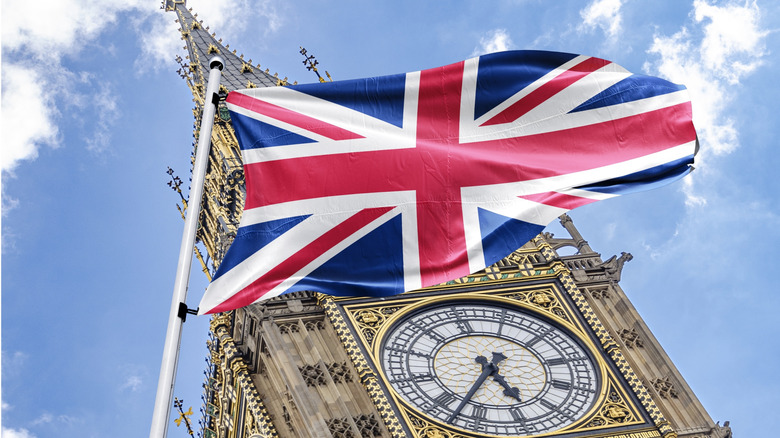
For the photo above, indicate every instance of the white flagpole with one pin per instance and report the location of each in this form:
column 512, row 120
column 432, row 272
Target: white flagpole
column 170, row 360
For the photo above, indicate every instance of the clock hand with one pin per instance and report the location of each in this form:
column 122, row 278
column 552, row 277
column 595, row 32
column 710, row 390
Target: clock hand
column 488, row 368
column 508, row 390
column 498, row 357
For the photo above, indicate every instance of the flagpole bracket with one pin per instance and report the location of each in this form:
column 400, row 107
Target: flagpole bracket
column 184, row 311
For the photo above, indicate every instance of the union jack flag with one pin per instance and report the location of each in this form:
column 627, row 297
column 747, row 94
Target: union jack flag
column 377, row 186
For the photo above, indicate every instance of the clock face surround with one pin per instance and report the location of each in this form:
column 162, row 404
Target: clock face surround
column 489, row 366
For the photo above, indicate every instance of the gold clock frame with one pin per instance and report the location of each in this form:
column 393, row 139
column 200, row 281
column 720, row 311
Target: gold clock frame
column 545, row 294
column 624, row 408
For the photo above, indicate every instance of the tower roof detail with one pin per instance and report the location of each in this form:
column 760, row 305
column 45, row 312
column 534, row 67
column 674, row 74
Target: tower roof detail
column 201, row 46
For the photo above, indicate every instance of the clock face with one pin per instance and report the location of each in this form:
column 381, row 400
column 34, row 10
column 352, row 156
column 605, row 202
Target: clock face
column 489, row 368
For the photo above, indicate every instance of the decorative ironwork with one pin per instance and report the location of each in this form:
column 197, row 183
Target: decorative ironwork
column 311, row 65
column 425, row 429
column 370, row 321
column 185, row 416
column 542, row 299
column 614, row 411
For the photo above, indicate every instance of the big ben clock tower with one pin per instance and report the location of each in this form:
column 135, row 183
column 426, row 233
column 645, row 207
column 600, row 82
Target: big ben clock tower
column 540, row 344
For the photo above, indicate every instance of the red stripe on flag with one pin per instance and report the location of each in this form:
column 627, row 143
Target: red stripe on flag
column 546, row 91
column 293, row 118
column 470, row 164
column 299, row 260
column 440, row 238
column 559, row 200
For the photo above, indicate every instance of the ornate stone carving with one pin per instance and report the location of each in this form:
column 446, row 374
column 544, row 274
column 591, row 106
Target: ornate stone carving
column 598, row 292
column 723, row 431
column 313, row 375
column 425, row 429
column 365, row 373
column 340, row 428
column 340, row 372
column 371, row 320
column 289, row 327
column 523, row 257
column 287, row 418
column 368, row 426
column 665, row 387
column 614, row 266
column 607, row 342
column 232, row 382
column 614, row 411
column 630, row 338
column 543, row 299
column 314, row 325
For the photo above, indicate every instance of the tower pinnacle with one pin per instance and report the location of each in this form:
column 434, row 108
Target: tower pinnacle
column 201, row 45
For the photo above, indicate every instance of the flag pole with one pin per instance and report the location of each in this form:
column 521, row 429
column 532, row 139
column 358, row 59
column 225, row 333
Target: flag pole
column 162, row 403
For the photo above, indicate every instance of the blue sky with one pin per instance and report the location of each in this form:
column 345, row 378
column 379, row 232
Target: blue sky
column 93, row 113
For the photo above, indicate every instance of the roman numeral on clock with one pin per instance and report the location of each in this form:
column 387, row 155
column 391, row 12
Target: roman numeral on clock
column 479, row 413
column 444, row 399
column 517, row 416
column 556, row 361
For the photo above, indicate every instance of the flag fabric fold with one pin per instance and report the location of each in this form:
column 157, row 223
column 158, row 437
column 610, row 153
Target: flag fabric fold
column 377, row 186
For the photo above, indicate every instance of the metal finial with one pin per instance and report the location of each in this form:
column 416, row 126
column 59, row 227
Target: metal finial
column 311, row 64
column 183, row 416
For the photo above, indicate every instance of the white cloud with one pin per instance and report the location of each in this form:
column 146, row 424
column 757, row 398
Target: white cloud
column 228, row 16
column 609, row 230
column 133, row 383
column 710, row 58
column 604, row 14
column 496, row 40
column 44, row 418
column 16, row 433
column 47, row 418
column 231, row 17
column 105, row 103
column 28, row 116
column 60, row 28
column 15, row 362
column 733, row 42
column 134, row 377
column 692, row 199
column 732, row 46
column 160, row 37
column 35, row 41
column 160, row 41
column 269, row 12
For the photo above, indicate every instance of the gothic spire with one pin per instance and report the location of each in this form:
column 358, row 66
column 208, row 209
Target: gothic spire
column 202, row 45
